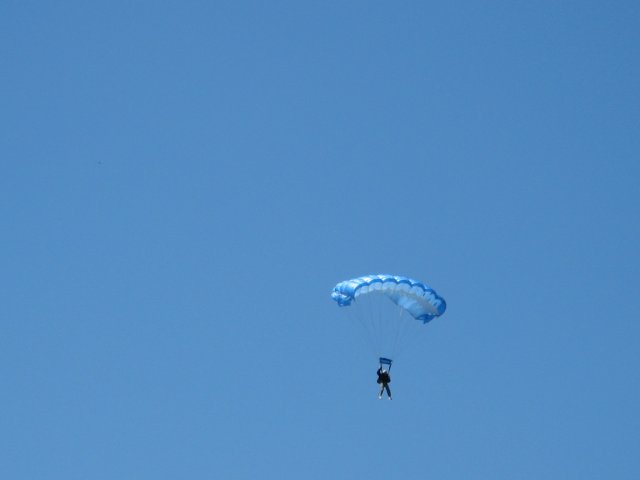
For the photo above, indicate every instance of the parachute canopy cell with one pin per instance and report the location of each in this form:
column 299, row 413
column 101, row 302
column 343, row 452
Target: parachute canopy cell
column 417, row 298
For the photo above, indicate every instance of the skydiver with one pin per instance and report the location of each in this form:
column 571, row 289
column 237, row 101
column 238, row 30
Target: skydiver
column 384, row 379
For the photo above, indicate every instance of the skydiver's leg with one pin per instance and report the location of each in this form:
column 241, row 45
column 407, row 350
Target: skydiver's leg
column 381, row 390
column 388, row 390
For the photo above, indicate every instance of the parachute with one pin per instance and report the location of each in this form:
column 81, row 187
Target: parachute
column 390, row 308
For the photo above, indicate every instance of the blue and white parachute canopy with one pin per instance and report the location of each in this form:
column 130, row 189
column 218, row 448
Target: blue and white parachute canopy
column 417, row 298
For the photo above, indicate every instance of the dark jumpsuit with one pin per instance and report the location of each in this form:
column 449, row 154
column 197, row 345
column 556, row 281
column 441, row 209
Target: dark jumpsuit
column 383, row 380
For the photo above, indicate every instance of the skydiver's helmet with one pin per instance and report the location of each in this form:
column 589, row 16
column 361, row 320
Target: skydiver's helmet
column 383, row 371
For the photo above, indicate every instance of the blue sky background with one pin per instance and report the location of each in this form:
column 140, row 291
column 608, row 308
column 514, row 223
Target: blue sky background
column 183, row 183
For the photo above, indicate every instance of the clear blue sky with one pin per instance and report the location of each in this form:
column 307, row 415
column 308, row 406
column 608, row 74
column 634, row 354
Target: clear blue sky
column 183, row 182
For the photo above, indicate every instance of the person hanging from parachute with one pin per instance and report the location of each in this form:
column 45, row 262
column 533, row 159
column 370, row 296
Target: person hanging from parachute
column 384, row 378
column 411, row 300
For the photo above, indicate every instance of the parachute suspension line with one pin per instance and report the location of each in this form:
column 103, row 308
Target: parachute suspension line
column 372, row 301
column 410, row 328
column 377, row 323
column 378, row 320
column 372, row 319
column 383, row 322
column 394, row 348
column 383, row 317
column 407, row 325
column 360, row 314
